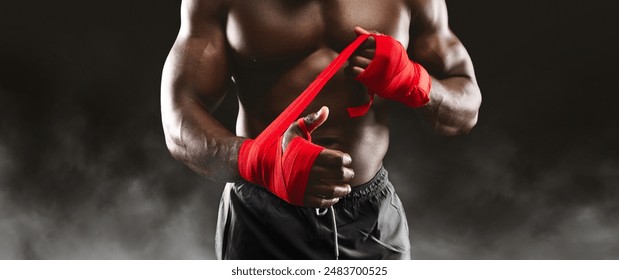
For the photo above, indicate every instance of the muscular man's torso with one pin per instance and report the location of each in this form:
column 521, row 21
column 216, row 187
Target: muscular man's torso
column 278, row 47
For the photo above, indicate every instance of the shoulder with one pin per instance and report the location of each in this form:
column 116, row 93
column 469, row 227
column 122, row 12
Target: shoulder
column 428, row 15
column 424, row 5
column 204, row 9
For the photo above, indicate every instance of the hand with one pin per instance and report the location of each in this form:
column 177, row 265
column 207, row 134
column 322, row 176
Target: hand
column 331, row 172
column 394, row 76
column 363, row 55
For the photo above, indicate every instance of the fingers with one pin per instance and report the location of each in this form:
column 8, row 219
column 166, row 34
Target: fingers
column 354, row 72
column 322, row 196
column 333, row 167
column 363, row 55
column 317, row 202
column 369, row 43
column 330, row 175
column 360, row 31
column 334, row 175
column 331, row 158
column 358, row 64
column 329, row 191
column 360, row 61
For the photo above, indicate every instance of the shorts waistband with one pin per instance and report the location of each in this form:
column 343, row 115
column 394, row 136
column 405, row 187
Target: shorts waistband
column 371, row 186
column 376, row 188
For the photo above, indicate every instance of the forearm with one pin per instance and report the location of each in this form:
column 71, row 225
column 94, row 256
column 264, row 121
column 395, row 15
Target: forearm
column 455, row 96
column 194, row 81
column 454, row 105
column 197, row 139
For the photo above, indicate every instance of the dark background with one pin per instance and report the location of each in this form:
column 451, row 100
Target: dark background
column 84, row 172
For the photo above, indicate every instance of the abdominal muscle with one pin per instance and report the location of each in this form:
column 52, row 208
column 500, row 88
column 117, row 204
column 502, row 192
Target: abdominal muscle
column 265, row 90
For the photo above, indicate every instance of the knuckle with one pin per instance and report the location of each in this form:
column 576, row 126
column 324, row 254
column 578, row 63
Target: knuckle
column 369, row 53
column 348, row 188
column 343, row 159
column 345, row 175
column 328, row 202
column 338, row 158
column 323, row 203
column 341, row 173
column 346, row 159
column 334, row 192
column 351, row 174
column 332, row 156
column 360, row 61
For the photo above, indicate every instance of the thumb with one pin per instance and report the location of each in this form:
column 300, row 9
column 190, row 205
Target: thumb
column 314, row 120
column 304, row 126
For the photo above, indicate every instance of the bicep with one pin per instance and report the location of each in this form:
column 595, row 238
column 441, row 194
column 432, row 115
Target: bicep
column 434, row 45
column 196, row 69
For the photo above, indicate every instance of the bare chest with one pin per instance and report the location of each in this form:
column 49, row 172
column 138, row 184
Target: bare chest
column 272, row 30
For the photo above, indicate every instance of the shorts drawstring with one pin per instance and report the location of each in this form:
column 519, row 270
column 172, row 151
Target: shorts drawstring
column 322, row 212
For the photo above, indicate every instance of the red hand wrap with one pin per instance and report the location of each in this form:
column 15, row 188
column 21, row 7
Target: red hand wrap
column 392, row 75
column 285, row 173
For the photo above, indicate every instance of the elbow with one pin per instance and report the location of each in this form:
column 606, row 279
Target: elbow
column 454, row 129
column 174, row 144
column 468, row 124
column 469, row 121
column 472, row 113
column 172, row 122
column 172, row 132
column 175, row 150
column 461, row 122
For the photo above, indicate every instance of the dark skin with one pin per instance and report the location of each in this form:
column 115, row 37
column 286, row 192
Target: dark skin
column 274, row 49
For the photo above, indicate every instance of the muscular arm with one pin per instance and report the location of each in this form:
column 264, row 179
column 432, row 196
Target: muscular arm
column 195, row 78
column 455, row 97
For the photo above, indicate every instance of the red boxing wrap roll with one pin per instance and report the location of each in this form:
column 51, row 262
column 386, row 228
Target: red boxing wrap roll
column 285, row 173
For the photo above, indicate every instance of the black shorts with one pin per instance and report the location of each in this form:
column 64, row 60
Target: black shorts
column 255, row 224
